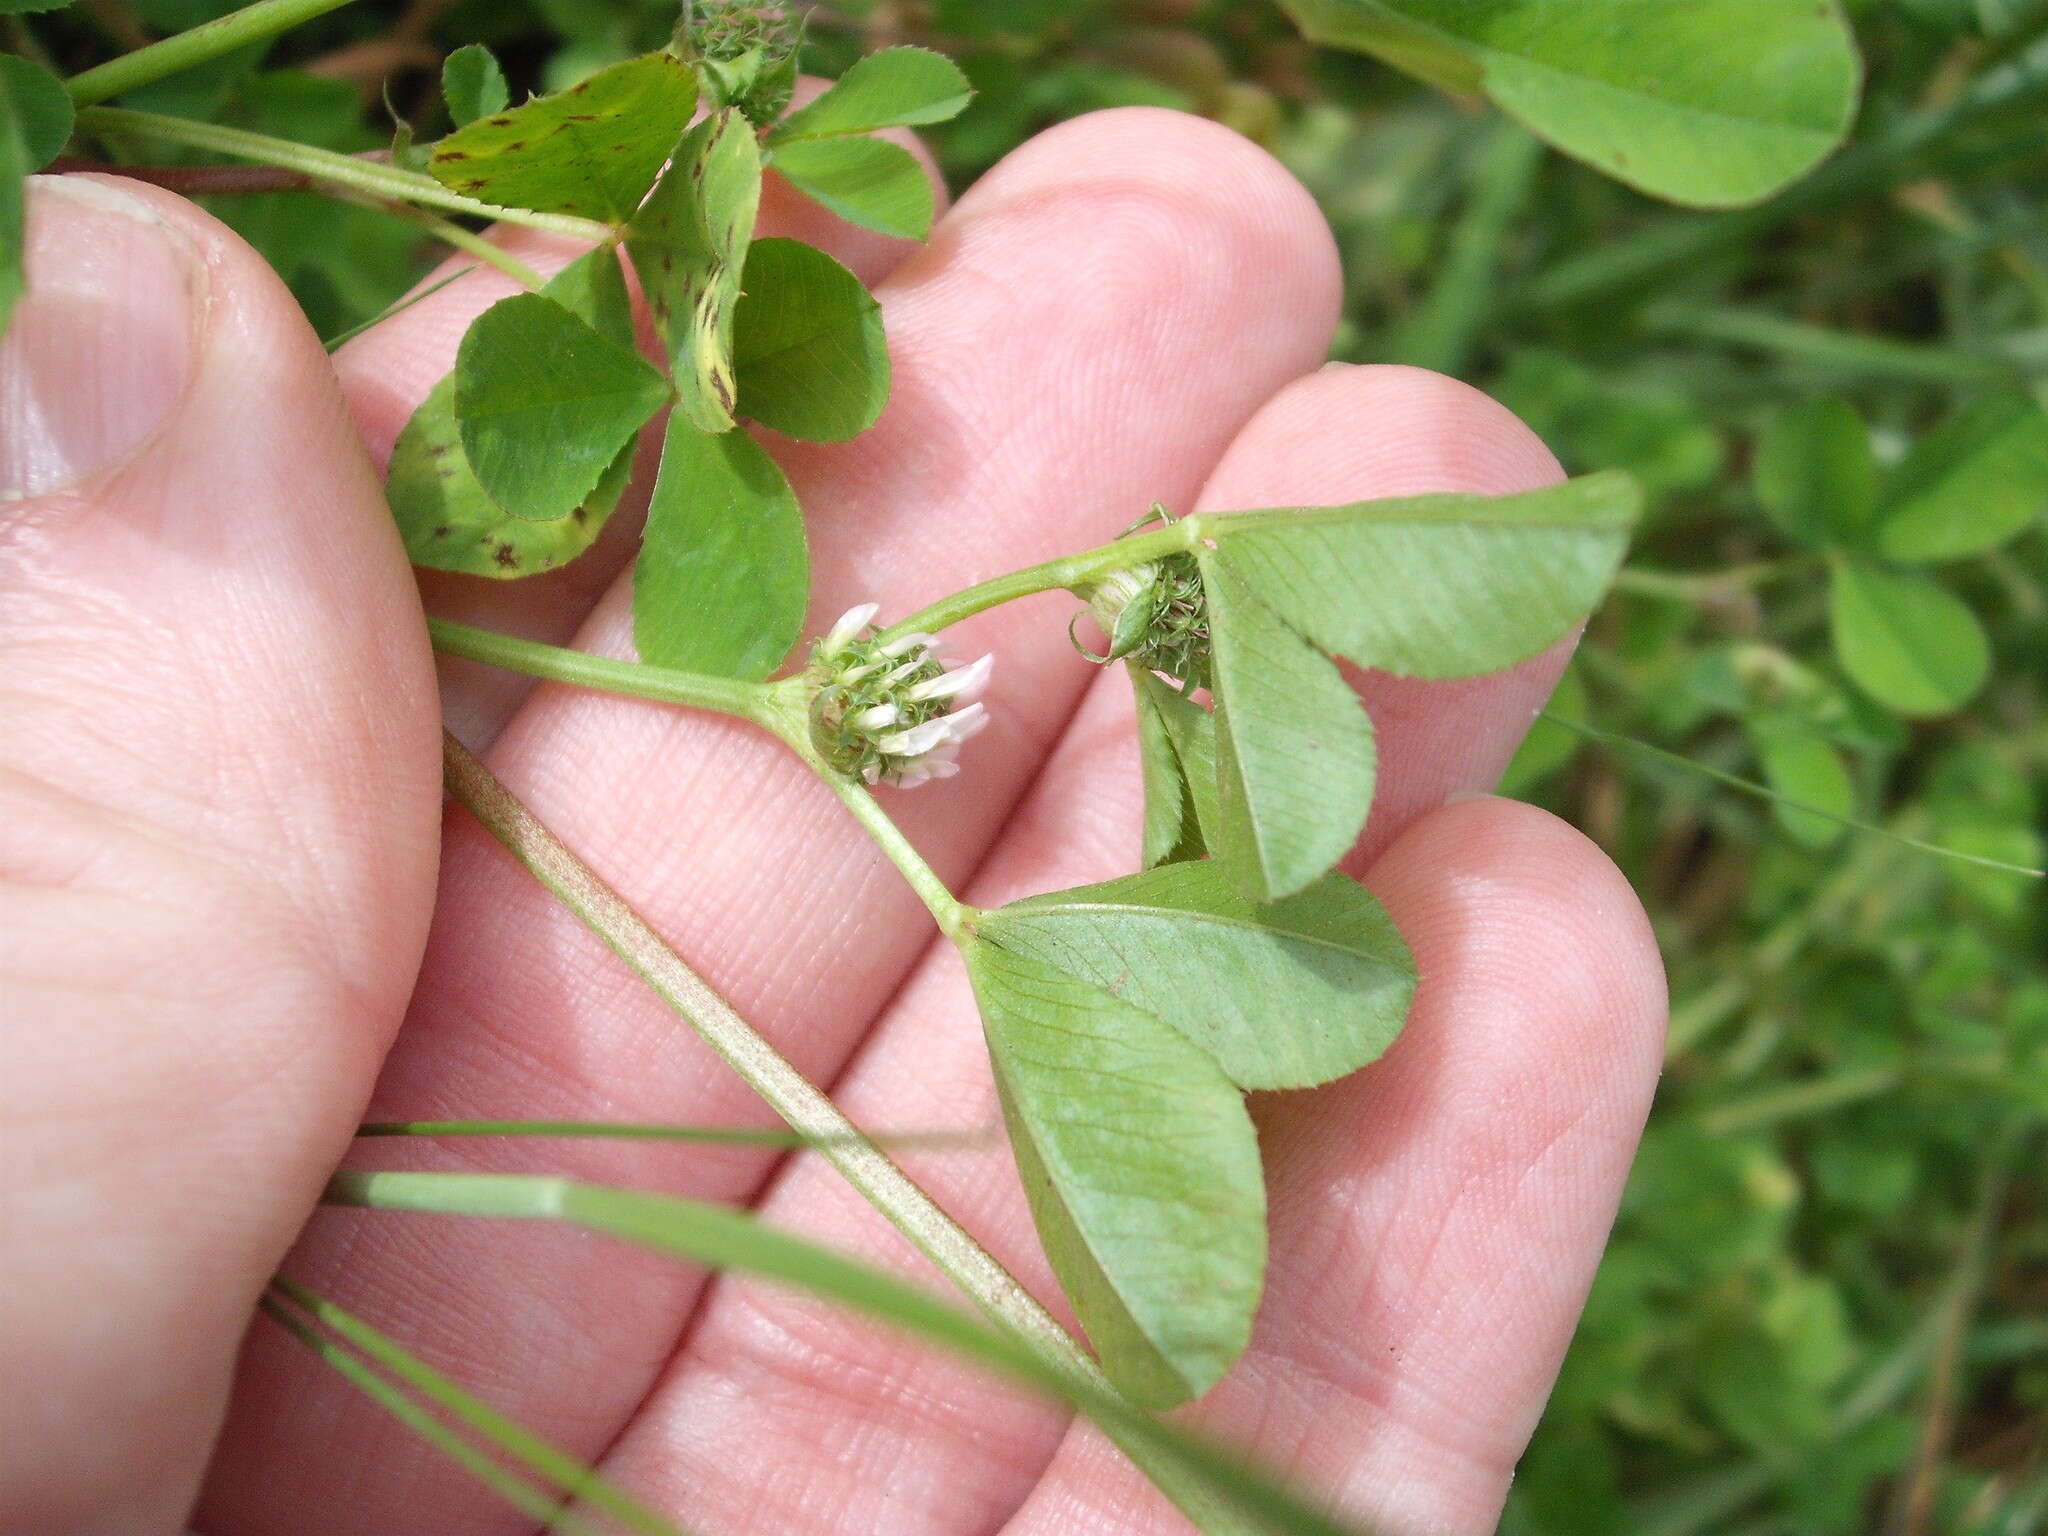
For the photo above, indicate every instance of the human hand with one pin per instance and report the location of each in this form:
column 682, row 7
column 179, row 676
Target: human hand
column 220, row 796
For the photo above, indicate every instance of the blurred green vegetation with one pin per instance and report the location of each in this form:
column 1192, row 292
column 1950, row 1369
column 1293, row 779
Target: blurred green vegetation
column 1825, row 1309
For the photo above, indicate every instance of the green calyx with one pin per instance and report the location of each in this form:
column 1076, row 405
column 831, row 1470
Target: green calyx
column 1154, row 614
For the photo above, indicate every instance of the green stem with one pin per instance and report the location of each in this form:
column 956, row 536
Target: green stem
column 555, row 664
column 787, row 1091
column 373, row 178
column 947, row 911
column 209, row 40
column 1069, row 573
column 1705, row 586
column 766, row 705
column 449, row 233
column 811, row 1114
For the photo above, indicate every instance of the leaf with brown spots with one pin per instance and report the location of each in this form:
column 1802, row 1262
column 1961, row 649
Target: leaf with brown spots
column 451, row 523
column 591, row 150
column 689, row 245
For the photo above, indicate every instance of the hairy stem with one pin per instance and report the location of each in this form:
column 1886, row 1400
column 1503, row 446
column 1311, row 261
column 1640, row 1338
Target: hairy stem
column 787, row 1091
column 209, row 40
column 947, row 911
column 372, row 178
column 1068, row 573
column 773, row 706
column 811, row 1114
column 556, row 664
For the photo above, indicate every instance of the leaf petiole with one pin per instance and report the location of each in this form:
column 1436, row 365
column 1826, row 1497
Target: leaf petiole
column 373, row 178
column 756, row 702
column 195, row 46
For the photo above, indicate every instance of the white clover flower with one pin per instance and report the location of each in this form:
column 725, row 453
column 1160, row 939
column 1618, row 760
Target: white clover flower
column 892, row 713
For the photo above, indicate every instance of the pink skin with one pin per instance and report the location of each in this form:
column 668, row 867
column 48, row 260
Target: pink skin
column 1130, row 307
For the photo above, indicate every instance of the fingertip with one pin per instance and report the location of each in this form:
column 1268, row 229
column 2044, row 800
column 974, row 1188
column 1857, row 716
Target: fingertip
column 1503, row 894
column 1197, row 181
column 1357, row 432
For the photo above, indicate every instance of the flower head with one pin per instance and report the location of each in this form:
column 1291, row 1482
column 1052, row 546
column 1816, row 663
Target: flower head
column 891, row 712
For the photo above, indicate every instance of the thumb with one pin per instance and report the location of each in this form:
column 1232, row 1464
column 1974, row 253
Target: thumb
column 219, row 794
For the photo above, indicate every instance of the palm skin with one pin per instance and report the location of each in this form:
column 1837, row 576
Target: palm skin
column 218, row 813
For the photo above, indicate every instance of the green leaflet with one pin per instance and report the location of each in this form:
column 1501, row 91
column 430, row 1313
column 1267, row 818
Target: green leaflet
column 894, row 87
column 1970, row 484
column 41, row 106
column 35, row 120
column 451, row 523
column 723, row 575
column 1907, row 642
column 1142, row 1170
column 546, row 403
column 1166, row 790
column 689, row 245
column 1800, row 764
column 1177, row 754
column 1284, row 995
column 14, row 168
column 808, row 351
column 1437, row 586
column 593, row 288
column 1714, row 103
column 473, row 84
column 1425, row 586
column 1815, row 475
column 869, row 182
column 1294, row 748
column 592, row 150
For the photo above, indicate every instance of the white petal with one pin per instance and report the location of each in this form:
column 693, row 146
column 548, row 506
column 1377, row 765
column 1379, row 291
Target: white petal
column 940, row 767
column 910, row 775
column 965, row 684
column 964, row 723
column 881, row 717
column 850, row 624
column 919, row 739
column 900, row 674
column 872, row 773
column 905, row 646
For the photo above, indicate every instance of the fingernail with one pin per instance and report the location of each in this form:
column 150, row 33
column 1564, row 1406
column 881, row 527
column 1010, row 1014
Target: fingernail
column 102, row 347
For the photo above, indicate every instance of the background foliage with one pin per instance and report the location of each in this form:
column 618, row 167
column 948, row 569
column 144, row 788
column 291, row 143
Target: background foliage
column 1826, row 1305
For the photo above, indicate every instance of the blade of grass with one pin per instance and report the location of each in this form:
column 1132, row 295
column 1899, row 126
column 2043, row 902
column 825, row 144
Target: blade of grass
column 730, row 1136
column 515, row 1490
column 727, row 1239
column 577, row 1481
column 1765, row 792
column 334, row 343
